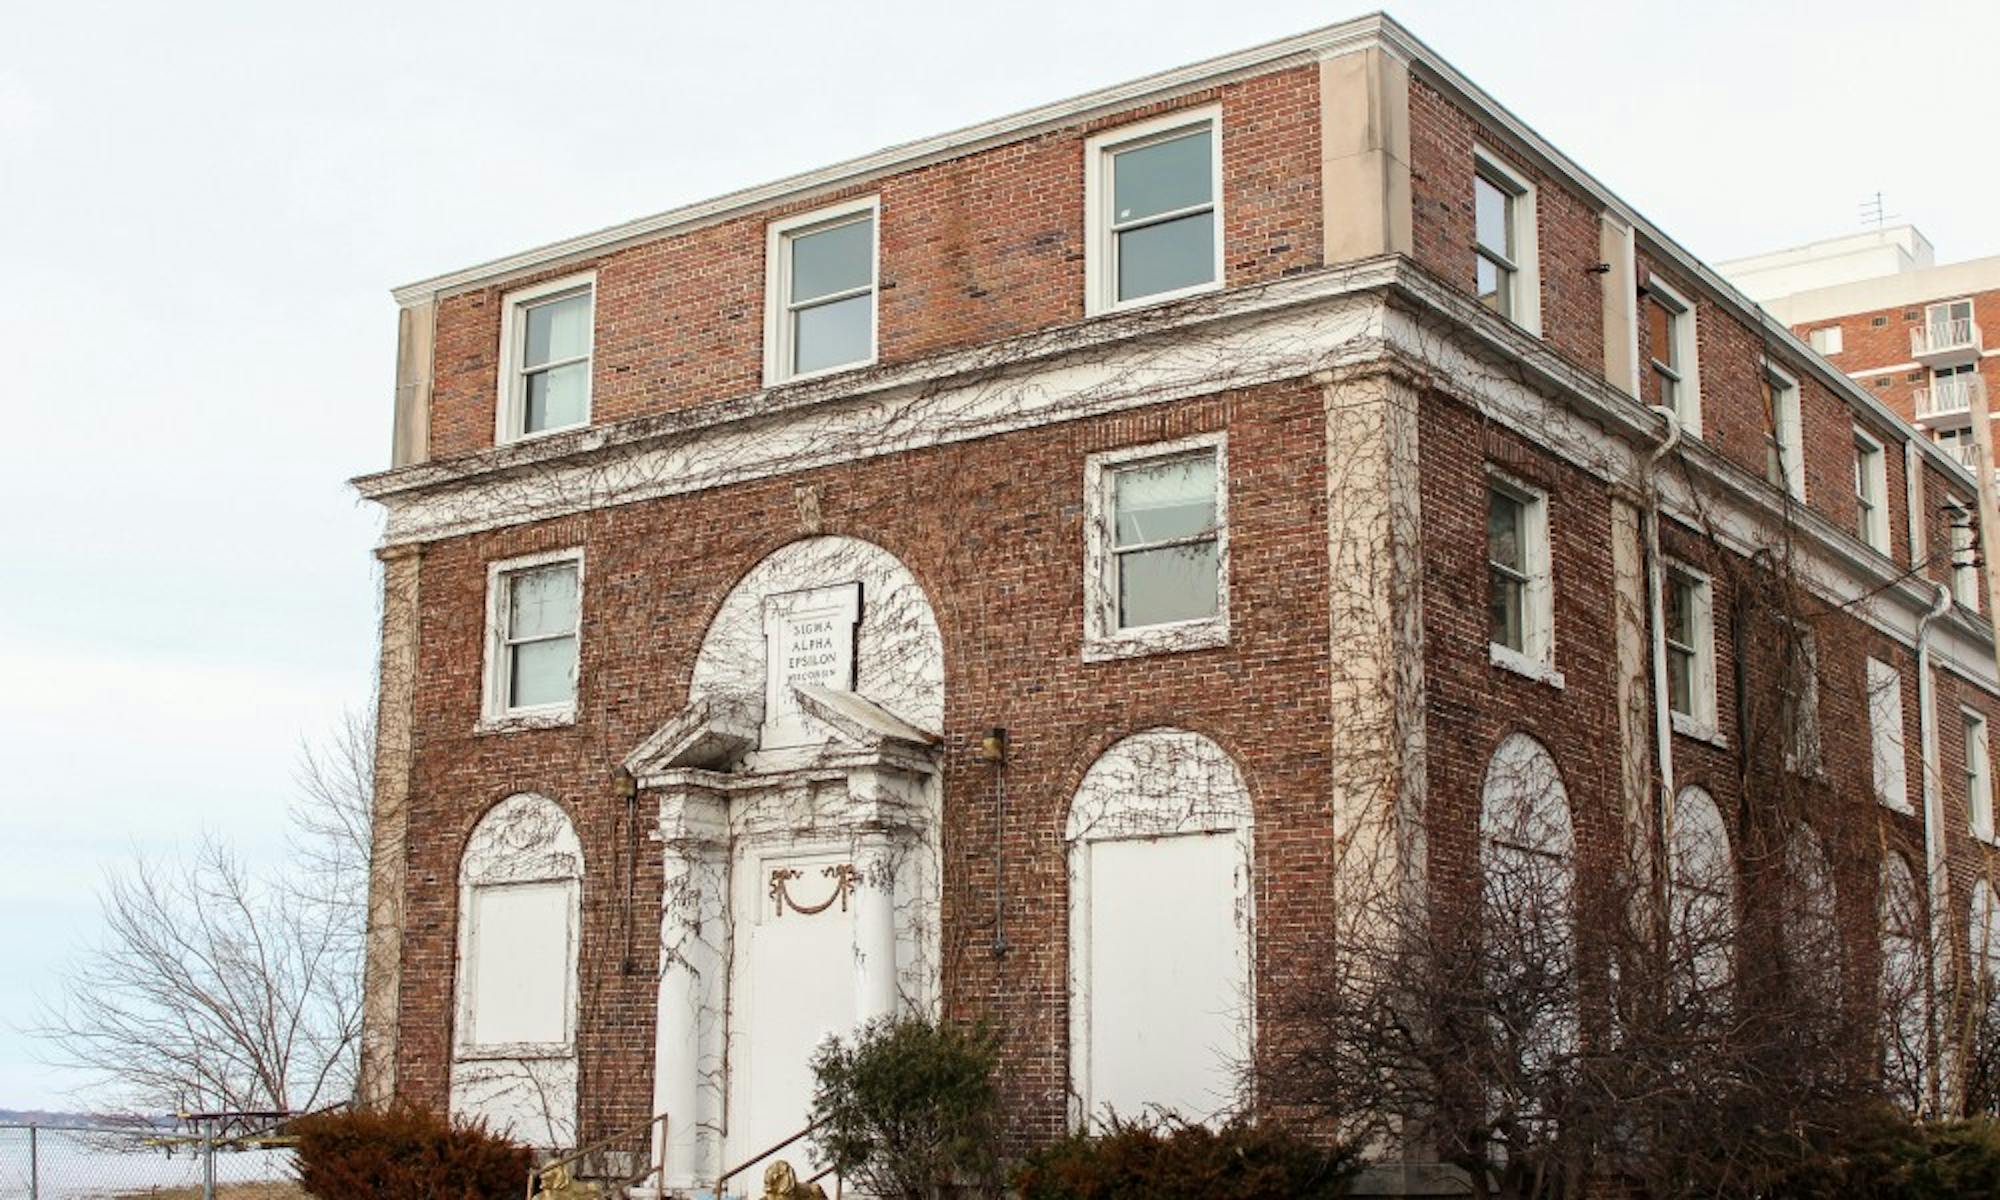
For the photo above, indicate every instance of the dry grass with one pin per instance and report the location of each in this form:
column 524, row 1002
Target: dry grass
column 223, row 1191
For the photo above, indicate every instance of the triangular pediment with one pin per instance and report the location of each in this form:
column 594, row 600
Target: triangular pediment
column 857, row 719
column 712, row 733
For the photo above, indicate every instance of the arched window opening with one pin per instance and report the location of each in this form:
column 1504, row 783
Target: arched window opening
column 1160, row 929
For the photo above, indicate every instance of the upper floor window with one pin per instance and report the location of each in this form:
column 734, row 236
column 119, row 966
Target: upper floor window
column 534, row 609
column 1826, row 339
column 1871, row 492
column 1690, row 640
column 820, row 315
column 1964, row 556
column 545, row 342
column 1503, row 249
column 1950, row 322
column 1158, row 568
column 1674, row 382
column 1784, row 445
column 1153, row 207
column 1885, row 728
column 1959, row 444
column 1519, row 609
column 1978, row 774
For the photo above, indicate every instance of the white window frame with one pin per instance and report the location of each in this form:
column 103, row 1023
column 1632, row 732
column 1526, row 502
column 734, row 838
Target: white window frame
column 1827, row 340
column 1978, row 772
column 510, row 409
column 1887, row 735
column 495, row 713
column 778, row 341
column 1701, row 723
column 1932, row 319
column 554, row 862
column 1102, row 638
column 1525, row 294
column 1871, row 473
column 1537, row 659
column 1687, row 374
column 1100, row 261
column 1787, row 414
column 1963, row 537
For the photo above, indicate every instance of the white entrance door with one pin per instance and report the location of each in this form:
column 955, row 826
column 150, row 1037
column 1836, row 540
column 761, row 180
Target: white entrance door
column 793, row 986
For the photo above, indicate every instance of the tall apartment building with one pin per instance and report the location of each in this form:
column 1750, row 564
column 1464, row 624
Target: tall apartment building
column 1878, row 306
column 1009, row 574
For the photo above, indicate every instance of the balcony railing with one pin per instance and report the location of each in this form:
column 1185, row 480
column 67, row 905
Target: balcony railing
column 1944, row 343
column 1948, row 402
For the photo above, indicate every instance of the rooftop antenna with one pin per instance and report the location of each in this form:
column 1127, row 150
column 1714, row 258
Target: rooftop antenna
column 1874, row 213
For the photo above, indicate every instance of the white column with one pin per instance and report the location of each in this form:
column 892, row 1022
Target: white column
column 875, row 926
column 691, row 928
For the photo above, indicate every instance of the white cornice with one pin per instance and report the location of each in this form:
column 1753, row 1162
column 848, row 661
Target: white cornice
column 1374, row 29
column 984, row 367
column 1383, row 309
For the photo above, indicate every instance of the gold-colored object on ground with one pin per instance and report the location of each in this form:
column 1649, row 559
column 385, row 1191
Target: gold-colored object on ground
column 559, row 1184
column 782, row 1183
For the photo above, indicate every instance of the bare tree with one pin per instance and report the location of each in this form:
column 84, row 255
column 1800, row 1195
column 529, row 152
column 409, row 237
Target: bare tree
column 216, row 988
column 1687, row 1019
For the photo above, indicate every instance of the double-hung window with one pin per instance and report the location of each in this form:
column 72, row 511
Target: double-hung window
column 1885, row 730
column 1153, row 207
column 1871, row 492
column 822, row 286
column 1157, row 548
column 1519, row 611
column 1503, row 242
column 545, row 349
column 534, row 610
column 1673, row 382
column 1964, row 556
column 1687, row 612
column 1784, row 445
column 1826, row 339
column 1978, row 775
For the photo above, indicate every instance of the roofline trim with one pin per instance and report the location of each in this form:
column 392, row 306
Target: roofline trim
column 1297, row 50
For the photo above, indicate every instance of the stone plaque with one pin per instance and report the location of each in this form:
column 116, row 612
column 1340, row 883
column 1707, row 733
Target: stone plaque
column 808, row 639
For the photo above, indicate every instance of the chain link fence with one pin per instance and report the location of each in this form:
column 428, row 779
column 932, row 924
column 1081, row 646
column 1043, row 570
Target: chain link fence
column 67, row 1162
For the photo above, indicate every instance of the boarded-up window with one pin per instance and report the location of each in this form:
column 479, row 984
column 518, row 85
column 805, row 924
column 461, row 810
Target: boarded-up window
column 1702, row 906
column 517, row 952
column 1160, row 928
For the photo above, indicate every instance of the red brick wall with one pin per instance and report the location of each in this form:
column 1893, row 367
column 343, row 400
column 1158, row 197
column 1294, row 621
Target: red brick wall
column 976, row 248
column 1878, row 342
column 1474, row 704
column 1442, row 137
column 993, row 530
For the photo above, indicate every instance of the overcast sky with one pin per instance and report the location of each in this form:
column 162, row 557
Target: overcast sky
column 203, row 206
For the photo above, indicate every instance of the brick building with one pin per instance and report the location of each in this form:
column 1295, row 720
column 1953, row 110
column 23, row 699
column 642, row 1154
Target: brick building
column 1878, row 306
column 1265, row 446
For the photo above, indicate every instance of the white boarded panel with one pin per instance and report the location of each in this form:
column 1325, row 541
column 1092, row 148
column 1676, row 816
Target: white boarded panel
column 1167, row 987
column 795, row 989
column 521, row 964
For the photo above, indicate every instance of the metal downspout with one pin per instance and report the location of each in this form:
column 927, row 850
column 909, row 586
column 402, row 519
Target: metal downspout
column 1934, row 849
column 1663, row 720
